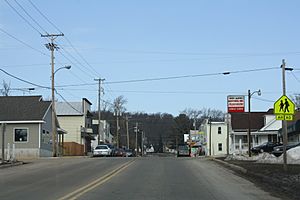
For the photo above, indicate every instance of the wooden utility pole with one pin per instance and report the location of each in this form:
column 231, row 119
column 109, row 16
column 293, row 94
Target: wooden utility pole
column 127, row 133
column 100, row 135
column 136, row 138
column 52, row 47
column 3, row 141
column 284, row 123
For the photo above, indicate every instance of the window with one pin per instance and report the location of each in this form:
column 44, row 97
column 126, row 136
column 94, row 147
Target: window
column 220, row 146
column 219, row 130
column 21, row 135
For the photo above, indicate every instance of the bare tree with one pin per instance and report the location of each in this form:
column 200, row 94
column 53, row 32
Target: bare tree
column 5, row 89
column 296, row 99
column 118, row 104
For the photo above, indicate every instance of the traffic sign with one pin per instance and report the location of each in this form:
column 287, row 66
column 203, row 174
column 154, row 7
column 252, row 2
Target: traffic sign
column 284, row 106
column 285, row 117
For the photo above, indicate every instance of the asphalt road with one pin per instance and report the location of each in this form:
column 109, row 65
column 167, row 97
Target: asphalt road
column 125, row 178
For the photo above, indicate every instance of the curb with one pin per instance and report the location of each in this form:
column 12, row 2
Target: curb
column 243, row 170
column 3, row 166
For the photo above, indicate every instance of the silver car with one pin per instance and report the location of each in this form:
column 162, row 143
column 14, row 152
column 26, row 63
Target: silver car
column 102, row 150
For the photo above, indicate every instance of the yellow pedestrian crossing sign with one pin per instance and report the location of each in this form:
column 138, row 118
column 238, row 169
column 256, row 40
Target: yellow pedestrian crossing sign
column 284, row 106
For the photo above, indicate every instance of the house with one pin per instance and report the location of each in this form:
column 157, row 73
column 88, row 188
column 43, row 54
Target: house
column 215, row 134
column 293, row 129
column 105, row 131
column 76, row 119
column 264, row 128
column 28, row 127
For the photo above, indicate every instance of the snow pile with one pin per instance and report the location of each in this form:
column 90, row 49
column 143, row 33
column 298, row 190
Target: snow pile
column 293, row 157
column 246, row 157
column 294, row 153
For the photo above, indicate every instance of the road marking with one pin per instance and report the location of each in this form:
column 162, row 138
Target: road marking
column 80, row 191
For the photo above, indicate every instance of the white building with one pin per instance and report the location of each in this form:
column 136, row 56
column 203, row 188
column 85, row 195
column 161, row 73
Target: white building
column 105, row 131
column 263, row 125
column 216, row 137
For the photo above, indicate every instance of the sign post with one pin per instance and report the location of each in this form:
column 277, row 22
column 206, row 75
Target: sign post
column 284, row 109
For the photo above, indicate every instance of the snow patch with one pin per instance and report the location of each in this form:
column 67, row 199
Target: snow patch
column 293, row 157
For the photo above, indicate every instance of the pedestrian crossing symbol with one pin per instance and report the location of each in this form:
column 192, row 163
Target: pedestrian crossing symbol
column 284, row 106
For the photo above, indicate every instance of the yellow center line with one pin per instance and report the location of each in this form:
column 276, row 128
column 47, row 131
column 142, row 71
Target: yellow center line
column 84, row 189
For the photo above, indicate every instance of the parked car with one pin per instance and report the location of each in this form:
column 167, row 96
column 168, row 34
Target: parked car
column 103, row 150
column 264, row 147
column 183, row 150
column 119, row 152
column 277, row 151
column 129, row 152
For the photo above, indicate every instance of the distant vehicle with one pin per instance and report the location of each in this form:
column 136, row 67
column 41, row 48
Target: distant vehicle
column 129, row 152
column 103, row 150
column 265, row 147
column 183, row 150
column 120, row 152
column 277, row 151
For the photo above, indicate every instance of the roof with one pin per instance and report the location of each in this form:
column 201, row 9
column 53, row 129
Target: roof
column 69, row 108
column 240, row 121
column 23, row 108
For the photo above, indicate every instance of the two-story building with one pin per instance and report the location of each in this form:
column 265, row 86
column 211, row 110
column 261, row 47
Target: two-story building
column 76, row 119
column 216, row 137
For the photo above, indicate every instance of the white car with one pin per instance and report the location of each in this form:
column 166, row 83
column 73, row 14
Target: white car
column 102, row 150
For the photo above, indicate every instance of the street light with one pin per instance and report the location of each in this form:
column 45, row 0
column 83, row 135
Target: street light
column 54, row 132
column 64, row 67
column 249, row 119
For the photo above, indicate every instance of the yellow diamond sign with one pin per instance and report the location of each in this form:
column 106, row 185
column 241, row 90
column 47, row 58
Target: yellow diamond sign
column 284, row 106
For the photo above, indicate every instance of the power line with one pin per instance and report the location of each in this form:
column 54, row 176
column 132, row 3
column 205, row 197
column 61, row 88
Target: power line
column 25, row 81
column 30, row 16
column 24, row 43
column 73, row 47
column 67, row 102
column 97, row 74
column 45, row 17
column 74, row 64
column 11, row 6
column 178, row 77
column 193, row 76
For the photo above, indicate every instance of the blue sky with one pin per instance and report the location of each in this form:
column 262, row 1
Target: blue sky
column 134, row 39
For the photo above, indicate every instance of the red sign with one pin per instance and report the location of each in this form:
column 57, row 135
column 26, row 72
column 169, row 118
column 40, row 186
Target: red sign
column 236, row 103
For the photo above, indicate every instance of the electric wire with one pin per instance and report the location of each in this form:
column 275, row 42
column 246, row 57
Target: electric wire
column 66, row 38
column 24, row 43
column 16, row 11
column 178, row 77
column 25, row 81
column 45, row 17
column 74, row 64
column 30, row 16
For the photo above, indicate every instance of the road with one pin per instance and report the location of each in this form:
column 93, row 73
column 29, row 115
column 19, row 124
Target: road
column 125, row 178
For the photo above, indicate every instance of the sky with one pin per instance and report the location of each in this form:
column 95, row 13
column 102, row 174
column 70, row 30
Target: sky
column 179, row 48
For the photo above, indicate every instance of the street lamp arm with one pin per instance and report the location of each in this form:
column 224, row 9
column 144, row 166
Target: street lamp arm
column 64, row 67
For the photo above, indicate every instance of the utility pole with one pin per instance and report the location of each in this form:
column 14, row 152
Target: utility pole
column 136, row 138
column 117, row 114
column 209, row 121
column 52, row 47
column 143, row 141
column 227, row 140
column 127, row 132
column 284, row 123
column 249, row 124
column 3, row 141
column 100, row 135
